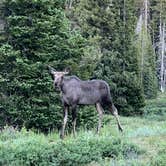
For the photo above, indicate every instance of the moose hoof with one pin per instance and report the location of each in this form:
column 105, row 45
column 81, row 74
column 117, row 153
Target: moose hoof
column 61, row 136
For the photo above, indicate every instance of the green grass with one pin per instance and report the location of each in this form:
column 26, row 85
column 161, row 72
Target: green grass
column 141, row 143
column 149, row 135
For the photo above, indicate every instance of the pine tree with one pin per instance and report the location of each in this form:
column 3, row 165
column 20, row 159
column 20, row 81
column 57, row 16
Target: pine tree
column 113, row 23
column 38, row 35
column 157, row 21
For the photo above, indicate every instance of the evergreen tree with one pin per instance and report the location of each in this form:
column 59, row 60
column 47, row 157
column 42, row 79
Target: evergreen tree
column 158, row 21
column 147, row 56
column 114, row 24
column 38, row 35
column 147, row 63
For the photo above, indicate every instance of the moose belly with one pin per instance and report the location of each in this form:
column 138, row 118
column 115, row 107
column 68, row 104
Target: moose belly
column 88, row 100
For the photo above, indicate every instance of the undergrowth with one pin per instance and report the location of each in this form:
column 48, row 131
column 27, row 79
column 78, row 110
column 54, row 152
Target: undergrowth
column 28, row 148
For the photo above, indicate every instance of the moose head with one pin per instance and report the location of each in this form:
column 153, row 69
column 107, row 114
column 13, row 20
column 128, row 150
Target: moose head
column 57, row 76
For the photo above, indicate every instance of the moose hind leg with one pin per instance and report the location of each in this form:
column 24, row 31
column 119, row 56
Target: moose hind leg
column 100, row 112
column 74, row 118
column 65, row 115
column 114, row 111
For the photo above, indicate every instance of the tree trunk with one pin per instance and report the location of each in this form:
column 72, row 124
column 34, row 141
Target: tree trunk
column 146, row 14
column 165, row 80
column 68, row 4
column 162, row 58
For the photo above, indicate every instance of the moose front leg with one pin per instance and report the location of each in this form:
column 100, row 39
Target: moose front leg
column 65, row 115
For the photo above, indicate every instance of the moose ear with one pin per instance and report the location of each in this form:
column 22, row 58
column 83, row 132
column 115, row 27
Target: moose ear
column 51, row 70
column 67, row 70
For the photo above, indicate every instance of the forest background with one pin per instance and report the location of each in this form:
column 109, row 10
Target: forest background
column 119, row 41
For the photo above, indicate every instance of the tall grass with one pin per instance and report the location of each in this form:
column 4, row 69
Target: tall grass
column 29, row 148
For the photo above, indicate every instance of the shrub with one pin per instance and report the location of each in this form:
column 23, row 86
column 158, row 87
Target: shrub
column 156, row 108
column 28, row 148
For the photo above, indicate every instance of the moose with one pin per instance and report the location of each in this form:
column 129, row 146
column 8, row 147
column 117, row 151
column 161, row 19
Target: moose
column 78, row 92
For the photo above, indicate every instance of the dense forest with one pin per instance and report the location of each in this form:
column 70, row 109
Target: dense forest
column 119, row 41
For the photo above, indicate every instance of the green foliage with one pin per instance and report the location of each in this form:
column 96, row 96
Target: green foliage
column 125, row 88
column 87, row 117
column 118, row 64
column 156, row 108
column 38, row 35
column 147, row 63
column 150, row 83
column 158, row 18
column 27, row 148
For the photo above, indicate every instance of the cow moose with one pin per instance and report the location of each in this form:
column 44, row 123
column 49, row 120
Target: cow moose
column 78, row 92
